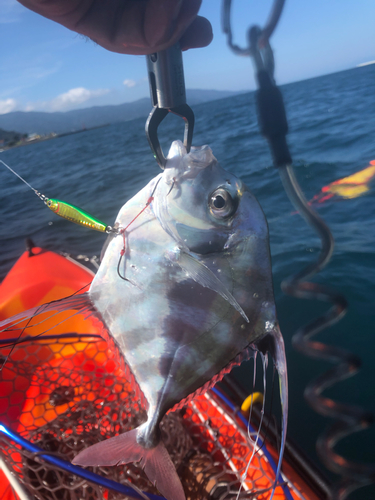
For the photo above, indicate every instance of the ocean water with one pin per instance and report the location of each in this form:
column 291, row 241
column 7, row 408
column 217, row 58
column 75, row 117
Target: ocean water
column 332, row 134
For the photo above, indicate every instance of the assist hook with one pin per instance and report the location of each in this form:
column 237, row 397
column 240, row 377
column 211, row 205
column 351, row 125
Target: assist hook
column 168, row 95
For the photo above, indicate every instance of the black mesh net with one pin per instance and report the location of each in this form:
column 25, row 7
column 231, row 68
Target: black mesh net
column 67, row 394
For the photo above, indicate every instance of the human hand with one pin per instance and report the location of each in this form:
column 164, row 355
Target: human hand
column 130, row 26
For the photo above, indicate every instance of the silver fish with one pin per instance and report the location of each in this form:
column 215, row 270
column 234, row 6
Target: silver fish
column 185, row 293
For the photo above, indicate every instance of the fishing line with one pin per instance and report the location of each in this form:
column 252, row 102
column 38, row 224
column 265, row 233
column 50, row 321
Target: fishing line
column 36, row 336
column 252, row 399
column 264, row 358
column 22, row 179
column 20, row 335
column 122, row 231
column 270, row 413
column 82, row 218
column 38, row 311
column 67, row 210
column 31, row 338
column 13, row 346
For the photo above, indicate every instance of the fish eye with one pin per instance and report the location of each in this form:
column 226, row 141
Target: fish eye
column 221, row 203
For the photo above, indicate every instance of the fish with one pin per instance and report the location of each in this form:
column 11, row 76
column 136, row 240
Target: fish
column 184, row 291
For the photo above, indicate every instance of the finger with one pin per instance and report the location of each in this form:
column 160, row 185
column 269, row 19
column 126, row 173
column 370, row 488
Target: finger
column 130, row 27
column 66, row 12
column 188, row 28
column 160, row 19
column 199, row 34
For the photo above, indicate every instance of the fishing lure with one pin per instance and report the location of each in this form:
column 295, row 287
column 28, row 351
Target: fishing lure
column 78, row 216
column 69, row 211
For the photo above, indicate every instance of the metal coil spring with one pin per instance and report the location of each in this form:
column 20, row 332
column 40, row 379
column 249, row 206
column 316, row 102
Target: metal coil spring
column 348, row 419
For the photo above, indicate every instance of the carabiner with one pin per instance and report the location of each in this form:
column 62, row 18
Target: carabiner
column 265, row 33
column 261, row 54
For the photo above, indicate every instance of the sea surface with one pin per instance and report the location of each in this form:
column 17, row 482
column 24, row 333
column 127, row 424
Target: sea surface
column 332, row 135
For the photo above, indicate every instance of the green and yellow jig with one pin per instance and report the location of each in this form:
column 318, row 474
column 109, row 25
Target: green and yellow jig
column 68, row 211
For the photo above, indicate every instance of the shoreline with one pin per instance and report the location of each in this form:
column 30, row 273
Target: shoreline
column 50, row 136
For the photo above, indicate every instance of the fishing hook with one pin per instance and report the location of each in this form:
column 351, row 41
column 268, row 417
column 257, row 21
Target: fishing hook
column 122, row 231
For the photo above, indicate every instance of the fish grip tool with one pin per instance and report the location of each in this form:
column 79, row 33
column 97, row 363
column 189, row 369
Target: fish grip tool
column 274, row 127
column 168, row 95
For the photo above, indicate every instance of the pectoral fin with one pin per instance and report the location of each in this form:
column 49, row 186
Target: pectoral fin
column 205, row 277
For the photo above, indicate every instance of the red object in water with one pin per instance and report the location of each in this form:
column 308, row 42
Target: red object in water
column 349, row 187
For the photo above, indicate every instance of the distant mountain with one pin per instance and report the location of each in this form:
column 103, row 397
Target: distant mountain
column 59, row 122
column 9, row 138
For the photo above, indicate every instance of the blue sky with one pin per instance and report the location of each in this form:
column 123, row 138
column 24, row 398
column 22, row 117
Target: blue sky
column 46, row 67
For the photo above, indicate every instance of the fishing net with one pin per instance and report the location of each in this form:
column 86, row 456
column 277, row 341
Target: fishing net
column 67, row 394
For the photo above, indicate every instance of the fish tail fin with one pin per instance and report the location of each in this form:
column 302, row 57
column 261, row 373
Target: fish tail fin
column 124, row 449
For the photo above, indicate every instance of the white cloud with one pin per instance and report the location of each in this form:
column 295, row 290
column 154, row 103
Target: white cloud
column 7, row 105
column 66, row 101
column 129, row 83
column 72, row 97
